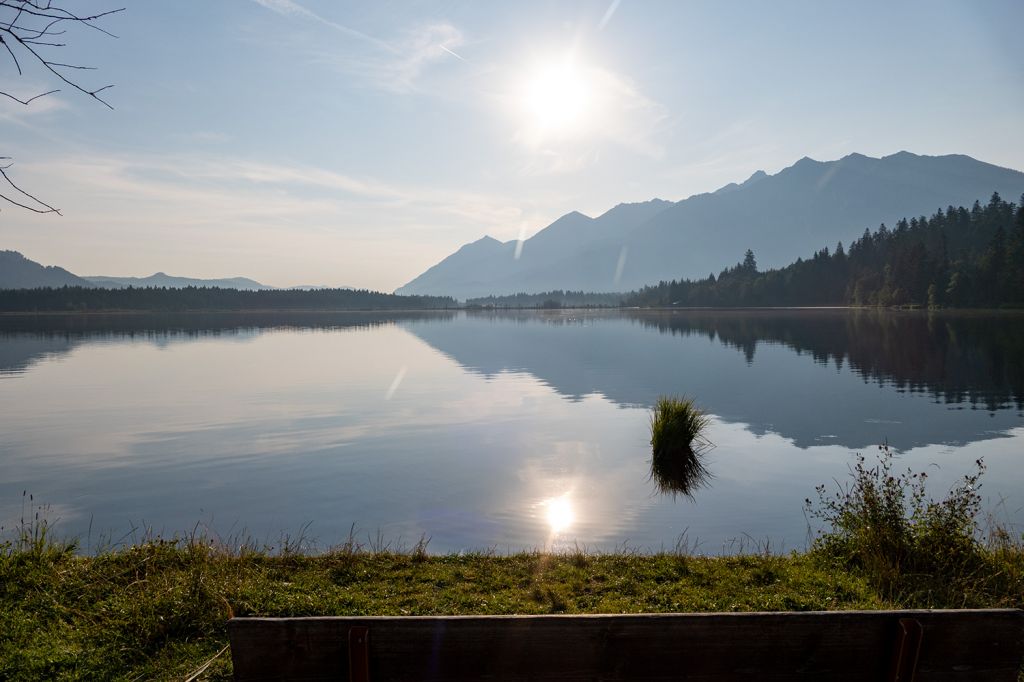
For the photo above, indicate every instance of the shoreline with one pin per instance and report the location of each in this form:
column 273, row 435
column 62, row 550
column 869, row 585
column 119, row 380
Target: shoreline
column 407, row 311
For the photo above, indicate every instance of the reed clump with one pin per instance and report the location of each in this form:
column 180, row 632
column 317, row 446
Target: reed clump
column 678, row 445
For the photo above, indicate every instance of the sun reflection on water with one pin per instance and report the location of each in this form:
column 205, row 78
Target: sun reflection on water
column 559, row 513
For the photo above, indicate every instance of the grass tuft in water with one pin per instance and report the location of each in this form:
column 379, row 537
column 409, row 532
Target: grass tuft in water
column 678, row 445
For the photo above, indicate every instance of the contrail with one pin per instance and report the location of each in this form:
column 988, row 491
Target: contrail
column 290, row 7
column 452, row 53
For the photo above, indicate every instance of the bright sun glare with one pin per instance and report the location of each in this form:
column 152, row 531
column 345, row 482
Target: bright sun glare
column 560, row 514
column 557, row 96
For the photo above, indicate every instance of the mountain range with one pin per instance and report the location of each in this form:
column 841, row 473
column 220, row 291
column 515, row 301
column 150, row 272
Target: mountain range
column 161, row 279
column 800, row 209
column 18, row 272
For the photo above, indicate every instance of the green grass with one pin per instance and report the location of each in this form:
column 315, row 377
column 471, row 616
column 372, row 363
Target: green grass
column 677, row 446
column 158, row 610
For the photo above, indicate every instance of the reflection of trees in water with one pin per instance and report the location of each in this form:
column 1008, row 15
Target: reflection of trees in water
column 204, row 323
column 558, row 317
column 977, row 358
column 26, row 339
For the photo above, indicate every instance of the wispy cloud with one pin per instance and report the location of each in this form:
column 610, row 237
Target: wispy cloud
column 395, row 66
column 420, row 48
column 402, row 69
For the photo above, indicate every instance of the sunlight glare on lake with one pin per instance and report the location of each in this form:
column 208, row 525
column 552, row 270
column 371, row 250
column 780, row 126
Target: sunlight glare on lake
column 559, row 513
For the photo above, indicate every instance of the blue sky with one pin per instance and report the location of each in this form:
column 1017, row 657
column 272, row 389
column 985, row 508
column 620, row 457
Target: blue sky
column 337, row 143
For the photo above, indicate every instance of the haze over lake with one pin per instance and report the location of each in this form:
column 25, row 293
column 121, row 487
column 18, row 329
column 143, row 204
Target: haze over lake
column 514, row 430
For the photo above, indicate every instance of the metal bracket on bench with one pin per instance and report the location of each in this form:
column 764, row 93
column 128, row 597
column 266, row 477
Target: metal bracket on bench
column 359, row 653
column 908, row 649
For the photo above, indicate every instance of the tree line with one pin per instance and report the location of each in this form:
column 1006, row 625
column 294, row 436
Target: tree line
column 957, row 258
column 549, row 299
column 162, row 299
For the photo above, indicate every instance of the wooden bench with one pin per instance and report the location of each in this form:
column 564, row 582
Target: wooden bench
column 837, row 645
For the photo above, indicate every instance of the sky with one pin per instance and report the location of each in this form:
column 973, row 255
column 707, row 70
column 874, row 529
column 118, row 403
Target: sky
column 316, row 142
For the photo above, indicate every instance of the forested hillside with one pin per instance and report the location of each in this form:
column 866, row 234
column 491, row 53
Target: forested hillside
column 959, row 257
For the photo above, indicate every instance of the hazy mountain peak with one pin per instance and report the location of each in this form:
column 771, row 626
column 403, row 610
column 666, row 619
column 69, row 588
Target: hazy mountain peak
column 855, row 156
column 572, row 216
column 650, row 203
column 486, row 242
column 754, row 177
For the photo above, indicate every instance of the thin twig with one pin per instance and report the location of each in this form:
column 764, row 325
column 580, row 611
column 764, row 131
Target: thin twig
column 48, row 209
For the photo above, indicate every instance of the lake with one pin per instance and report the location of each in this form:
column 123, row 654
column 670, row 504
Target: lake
column 491, row 430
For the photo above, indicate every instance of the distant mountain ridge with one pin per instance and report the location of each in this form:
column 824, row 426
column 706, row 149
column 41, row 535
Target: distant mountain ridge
column 161, row 279
column 18, row 272
column 792, row 213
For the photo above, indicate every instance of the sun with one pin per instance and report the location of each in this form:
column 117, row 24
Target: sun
column 557, row 97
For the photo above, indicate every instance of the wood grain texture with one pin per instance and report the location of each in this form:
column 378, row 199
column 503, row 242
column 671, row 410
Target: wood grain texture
column 843, row 645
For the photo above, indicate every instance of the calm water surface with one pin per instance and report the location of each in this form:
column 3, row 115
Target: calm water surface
column 506, row 431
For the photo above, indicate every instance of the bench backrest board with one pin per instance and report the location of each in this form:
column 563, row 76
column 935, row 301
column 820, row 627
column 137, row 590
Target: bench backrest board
column 836, row 645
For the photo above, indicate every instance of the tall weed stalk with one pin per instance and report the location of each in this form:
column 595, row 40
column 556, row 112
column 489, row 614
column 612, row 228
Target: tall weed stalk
column 915, row 549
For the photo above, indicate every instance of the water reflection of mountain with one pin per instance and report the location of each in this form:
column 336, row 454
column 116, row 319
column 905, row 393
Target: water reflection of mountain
column 818, row 377
column 27, row 339
column 19, row 351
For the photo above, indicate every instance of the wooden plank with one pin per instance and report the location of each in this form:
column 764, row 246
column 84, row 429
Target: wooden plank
column 842, row 645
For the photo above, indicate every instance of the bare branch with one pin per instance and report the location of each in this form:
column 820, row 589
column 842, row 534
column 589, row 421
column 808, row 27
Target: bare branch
column 46, row 208
column 71, row 66
column 26, row 102
column 14, row 57
column 27, row 29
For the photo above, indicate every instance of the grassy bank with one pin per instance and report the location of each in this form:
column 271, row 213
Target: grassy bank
column 158, row 610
